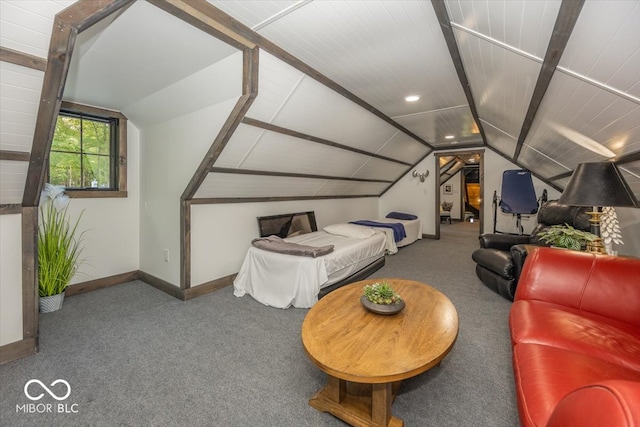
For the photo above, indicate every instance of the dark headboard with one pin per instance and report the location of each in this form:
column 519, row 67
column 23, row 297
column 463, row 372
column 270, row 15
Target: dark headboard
column 287, row 224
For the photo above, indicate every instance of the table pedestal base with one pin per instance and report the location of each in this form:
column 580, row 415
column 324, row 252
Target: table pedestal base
column 366, row 405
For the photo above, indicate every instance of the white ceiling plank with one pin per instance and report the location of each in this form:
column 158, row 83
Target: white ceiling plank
column 524, row 25
column 13, row 176
column 502, row 82
column 316, row 110
column 380, row 51
column 224, row 185
column 364, row 46
column 544, row 166
column 499, row 140
column 351, row 188
column 435, row 126
column 239, row 146
column 277, row 81
column 22, row 77
column 19, row 100
column 632, row 169
column 605, row 44
column 26, row 26
column 402, row 147
column 380, row 169
column 579, row 122
column 253, row 13
column 631, row 174
column 283, row 153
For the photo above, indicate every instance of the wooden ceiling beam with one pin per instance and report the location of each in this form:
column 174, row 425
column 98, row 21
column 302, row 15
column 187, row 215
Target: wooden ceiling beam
column 560, row 176
column 237, row 115
column 627, row 158
column 22, row 59
column 449, row 37
column 214, row 200
column 565, row 22
column 10, row 209
column 67, row 24
column 294, row 175
column 18, row 156
column 619, row 160
column 204, row 16
column 458, row 147
column 84, row 13
column 60, row 49
column 448, row 165
column 250, row 78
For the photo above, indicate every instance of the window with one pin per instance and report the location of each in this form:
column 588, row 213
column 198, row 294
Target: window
column 88, row 152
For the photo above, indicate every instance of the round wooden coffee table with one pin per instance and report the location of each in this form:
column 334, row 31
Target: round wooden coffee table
column 366, row 355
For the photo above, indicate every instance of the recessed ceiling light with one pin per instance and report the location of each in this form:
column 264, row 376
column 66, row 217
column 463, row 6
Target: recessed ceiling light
column 412, row 98
column 449, row 137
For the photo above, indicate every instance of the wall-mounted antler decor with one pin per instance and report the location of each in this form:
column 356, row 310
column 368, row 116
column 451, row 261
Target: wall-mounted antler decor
column 421, row 176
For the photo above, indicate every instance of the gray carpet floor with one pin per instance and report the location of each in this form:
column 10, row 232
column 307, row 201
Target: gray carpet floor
column 134, row 356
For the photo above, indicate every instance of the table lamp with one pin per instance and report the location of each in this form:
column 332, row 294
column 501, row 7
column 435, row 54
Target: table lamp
column 598, row 184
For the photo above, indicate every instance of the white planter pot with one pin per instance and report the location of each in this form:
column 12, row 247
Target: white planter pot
column 51, row 303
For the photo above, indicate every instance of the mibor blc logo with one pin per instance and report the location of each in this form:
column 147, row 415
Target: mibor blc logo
column 35, row 390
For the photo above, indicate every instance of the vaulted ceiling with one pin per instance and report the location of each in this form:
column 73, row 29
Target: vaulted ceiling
column 546, row 84
column 552, row 84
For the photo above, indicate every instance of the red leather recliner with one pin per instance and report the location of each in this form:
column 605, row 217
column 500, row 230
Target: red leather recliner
column 575, row 332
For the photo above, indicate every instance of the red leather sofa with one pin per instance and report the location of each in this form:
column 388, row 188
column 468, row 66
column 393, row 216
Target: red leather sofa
column 575, row 333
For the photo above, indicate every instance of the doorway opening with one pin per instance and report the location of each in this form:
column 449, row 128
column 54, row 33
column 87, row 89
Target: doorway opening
column 459, row 188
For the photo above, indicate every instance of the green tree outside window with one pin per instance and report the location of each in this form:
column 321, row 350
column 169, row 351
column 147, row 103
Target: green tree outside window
column 82, row 152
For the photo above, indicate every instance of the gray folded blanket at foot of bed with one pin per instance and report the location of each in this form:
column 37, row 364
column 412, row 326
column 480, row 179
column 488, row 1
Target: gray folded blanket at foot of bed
column 276, row 244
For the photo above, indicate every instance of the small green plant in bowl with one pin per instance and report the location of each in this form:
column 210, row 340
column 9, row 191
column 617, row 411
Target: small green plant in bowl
column 381, row 293
column 566, row 236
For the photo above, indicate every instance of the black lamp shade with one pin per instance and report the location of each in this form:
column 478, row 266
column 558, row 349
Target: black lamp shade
column 598, row 184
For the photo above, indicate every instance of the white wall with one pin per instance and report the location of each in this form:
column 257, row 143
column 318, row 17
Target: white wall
column 111, row 226
column 110, row 245
column 171, row 152
column 10, row 278
column 456, row 198
column 222, row 233
column 409, row 195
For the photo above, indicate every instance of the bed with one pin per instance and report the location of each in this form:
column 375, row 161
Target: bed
column 413, row 231
column 282, row 280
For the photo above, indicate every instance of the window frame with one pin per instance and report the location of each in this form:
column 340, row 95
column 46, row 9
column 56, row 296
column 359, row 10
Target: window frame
column 120, row 156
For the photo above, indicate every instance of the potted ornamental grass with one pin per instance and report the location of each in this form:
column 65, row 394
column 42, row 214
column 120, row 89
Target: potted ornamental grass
column 59, row 248
column 566, row 236
column 381, row 298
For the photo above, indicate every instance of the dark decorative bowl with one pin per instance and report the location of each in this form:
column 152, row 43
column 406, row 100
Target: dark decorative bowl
column 381, row 308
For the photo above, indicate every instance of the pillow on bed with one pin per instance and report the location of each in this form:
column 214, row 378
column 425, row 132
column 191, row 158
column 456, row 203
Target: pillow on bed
column 350, row 230
column 401, row 215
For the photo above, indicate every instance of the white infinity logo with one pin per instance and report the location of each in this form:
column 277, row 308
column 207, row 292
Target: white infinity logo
column 52, row 394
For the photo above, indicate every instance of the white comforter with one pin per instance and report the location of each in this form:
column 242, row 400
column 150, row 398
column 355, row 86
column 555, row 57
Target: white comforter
column 412, row 228
column 281, row 280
